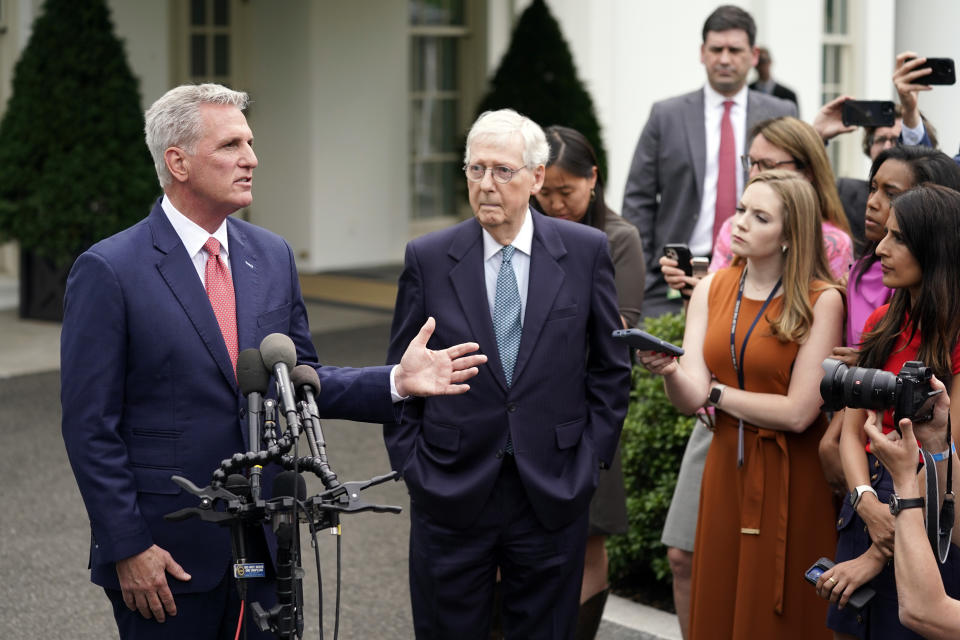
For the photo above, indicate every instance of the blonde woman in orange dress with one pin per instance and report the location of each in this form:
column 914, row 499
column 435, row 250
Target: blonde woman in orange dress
column 756, row 334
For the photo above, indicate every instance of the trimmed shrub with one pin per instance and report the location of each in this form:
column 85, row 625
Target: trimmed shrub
column 654, row 438
column 537, row 78
column 74, row 162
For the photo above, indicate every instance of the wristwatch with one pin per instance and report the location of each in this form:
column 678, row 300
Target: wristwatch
column 855, row 496
column 716, row 392
column 898, row 504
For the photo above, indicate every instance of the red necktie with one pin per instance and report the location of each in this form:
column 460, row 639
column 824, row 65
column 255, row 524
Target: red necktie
column 220, row 292
column 726, row 173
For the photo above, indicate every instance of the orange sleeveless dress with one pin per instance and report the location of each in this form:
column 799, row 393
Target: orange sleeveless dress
column 763, row 525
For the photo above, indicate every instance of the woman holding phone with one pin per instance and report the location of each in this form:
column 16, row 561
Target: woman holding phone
column 756, row 333
column 918, row 258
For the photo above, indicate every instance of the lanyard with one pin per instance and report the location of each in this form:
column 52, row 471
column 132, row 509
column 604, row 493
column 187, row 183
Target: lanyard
column 738, row 364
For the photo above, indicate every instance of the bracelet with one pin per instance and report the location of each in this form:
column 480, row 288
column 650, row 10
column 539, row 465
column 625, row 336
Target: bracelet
column 943, row 455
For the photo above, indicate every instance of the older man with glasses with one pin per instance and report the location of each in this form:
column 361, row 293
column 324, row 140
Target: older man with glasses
column 502, row 481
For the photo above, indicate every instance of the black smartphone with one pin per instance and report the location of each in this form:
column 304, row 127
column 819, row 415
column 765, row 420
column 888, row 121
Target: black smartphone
column 645, row 342
column 680, row 253
column 868, row 113
column 943, row 71
column 860, row 597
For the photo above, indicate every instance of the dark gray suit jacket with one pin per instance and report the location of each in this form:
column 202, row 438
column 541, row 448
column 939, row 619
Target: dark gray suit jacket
column 665, row 184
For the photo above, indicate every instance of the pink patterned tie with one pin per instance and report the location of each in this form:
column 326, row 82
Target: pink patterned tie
column 220, row 292
column 727, row 172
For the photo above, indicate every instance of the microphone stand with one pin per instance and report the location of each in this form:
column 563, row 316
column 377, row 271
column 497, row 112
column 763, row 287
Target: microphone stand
column 219, row 505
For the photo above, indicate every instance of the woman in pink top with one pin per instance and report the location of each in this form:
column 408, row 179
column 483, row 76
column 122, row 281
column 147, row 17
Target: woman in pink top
column 788, row 143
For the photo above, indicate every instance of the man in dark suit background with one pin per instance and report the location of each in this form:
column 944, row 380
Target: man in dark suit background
column 765, row 82
column 154, row 319
column 680, row 189
column 671, row 190
column 501, row 478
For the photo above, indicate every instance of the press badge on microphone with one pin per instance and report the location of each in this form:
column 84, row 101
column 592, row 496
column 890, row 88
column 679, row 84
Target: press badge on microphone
column 249, row 570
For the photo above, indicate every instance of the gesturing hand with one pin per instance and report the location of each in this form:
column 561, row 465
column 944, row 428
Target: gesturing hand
column 425, row 372
column 143, row 581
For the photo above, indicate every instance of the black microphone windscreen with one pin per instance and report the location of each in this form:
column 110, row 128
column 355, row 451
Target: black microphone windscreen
column 277, row 347
column 252, row 375
column 288, row 482
column 305, row 375
column 238, row 485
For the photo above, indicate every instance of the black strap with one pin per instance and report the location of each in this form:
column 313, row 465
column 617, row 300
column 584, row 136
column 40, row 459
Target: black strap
column 738, row 366
column 939, row 521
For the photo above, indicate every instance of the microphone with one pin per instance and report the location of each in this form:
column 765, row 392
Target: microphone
column 285, row 525
column 280, row 355
column 254, row 380
column 307, row 383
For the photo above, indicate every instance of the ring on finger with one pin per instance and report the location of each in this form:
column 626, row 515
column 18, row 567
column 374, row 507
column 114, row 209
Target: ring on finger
column 833, row 580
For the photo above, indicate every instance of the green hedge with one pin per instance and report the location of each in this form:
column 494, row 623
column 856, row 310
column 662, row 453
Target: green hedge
column 654, row 438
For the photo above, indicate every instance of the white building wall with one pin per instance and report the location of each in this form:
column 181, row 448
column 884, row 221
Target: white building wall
column 144, row 28
column 929, row 28
column 330, row 124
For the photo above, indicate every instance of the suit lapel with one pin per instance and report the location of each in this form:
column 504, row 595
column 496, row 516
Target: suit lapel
column 467, row 279
column 546, row 278
column 696, row 137
column 247, row 285
column 178, row 272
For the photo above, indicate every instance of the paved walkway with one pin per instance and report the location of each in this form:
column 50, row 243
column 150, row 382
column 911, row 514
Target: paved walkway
column 43, row 528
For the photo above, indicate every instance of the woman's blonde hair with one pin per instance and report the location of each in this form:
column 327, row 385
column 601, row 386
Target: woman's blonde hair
column 805, row 146
column 804, row 260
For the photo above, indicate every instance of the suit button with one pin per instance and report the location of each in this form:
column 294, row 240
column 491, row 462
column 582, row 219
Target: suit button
column 243, row 413
column 873, row 477
column 511, row 407
column 500, row 453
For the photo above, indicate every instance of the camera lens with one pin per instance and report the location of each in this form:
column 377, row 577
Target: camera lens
column 857, row 387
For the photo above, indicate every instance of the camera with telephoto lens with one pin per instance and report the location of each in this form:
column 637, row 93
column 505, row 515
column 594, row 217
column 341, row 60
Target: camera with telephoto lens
column 908, row 393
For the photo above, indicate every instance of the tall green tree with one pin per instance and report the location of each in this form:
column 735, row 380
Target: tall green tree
column 74, row 166
column 538, row 78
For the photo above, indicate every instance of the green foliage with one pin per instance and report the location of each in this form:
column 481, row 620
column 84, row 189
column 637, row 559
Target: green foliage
column 74, row 162
column 537, row 78
column 654, row 438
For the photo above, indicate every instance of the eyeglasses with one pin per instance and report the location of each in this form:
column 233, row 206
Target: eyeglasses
column 765, row 164
column 501, row 173
column 893, row 141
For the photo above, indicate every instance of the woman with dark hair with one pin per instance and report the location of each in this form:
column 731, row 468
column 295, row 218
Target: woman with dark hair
column 573, row 190
column 894, row 171
column 918, row 258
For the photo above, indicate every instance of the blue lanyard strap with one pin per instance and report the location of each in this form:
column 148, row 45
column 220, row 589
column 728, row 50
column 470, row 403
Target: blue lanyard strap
column 738, row 366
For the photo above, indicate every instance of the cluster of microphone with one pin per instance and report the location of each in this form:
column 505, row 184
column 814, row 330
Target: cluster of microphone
column 297, row 389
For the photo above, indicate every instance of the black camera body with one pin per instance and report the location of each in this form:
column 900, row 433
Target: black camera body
column 908, row 393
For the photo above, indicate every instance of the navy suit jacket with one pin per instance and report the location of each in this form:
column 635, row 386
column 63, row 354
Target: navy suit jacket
column 570, row 387
column 148, row 390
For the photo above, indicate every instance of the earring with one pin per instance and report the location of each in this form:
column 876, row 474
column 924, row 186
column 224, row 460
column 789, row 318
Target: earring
column 783, row 248
column 593, row 195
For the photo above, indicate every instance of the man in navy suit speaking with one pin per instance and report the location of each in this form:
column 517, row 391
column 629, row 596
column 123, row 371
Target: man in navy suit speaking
column 501, row 478
column 154, row 319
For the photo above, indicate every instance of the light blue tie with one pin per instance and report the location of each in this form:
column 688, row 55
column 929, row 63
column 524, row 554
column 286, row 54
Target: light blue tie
column 506, row 314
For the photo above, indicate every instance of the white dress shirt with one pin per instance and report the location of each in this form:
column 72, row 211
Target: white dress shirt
column 701, row 240
column 492, row 258
column 193, row 237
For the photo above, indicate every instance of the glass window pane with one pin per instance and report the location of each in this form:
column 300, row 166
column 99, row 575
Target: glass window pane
column 198, row 55
column 221, row 13
column 841, row 17
column 434, row 61
column 434, row 126
column 434, row 188
column 198, row 12
column 221, row 55
column 456, row 12
column 828, row 16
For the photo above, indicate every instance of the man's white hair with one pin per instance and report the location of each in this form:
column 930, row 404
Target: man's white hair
column 499, row 127
column 174, row 120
